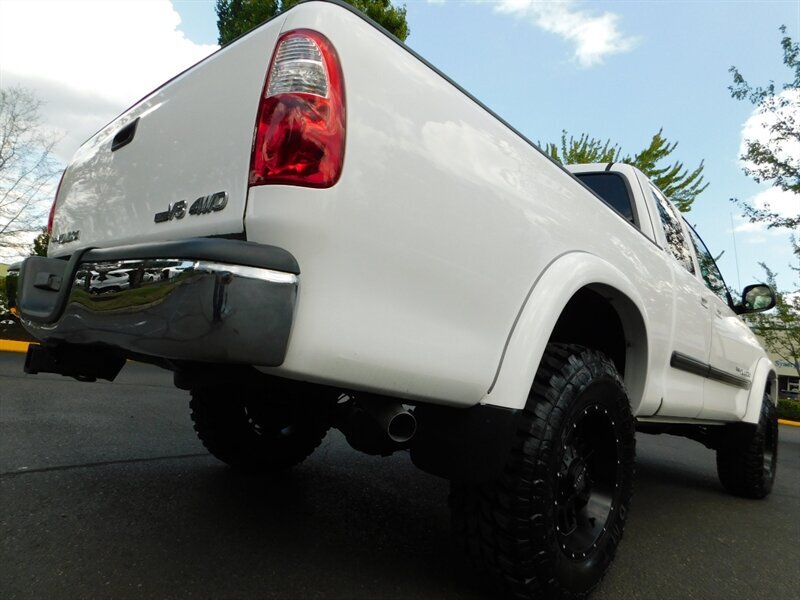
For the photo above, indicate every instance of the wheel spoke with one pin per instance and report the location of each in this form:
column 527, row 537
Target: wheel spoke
column 585, row 484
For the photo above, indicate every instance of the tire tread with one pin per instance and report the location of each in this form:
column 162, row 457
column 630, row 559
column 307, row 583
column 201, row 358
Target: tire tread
column 219, row 422
column 501, row 525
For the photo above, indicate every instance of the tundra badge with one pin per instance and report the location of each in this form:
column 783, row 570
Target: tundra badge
column 66, row 238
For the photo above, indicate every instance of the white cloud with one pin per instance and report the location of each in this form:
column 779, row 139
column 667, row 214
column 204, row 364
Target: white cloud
column 786, row 204
column 594, row 36
column 745, row 226
column 88, row 61
column 757, row 128
column 774, row 200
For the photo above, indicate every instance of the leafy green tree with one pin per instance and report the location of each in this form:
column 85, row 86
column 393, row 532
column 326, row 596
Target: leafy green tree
column 583, row 150
column 680, row 184
column 775, row 160
column 391, row 18
column 40, row 243
column 235, row 17
column 780, row 327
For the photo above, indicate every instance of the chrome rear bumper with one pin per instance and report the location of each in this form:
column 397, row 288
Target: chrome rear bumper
column 172, row 308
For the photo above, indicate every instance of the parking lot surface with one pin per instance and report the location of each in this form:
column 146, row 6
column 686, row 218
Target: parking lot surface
column 105, row 492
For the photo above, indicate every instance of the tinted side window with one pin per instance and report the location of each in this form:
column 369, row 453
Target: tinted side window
column 708, row 268
column 676, row 240
column 612, row 189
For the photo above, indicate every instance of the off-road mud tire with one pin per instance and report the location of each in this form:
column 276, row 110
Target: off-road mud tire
column 511, row 528
column 248, row 430
column 747, row 456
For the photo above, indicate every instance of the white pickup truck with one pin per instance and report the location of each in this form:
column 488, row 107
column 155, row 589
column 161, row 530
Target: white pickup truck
column 315, row 228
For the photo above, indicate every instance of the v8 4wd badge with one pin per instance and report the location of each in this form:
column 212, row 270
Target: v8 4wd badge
column 202, row 206
column 211, row 203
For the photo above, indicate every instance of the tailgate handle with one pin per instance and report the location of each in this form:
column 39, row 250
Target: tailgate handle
column 124, row 136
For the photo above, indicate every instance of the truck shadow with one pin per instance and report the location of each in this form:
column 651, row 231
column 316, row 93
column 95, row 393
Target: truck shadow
column 341, row 525
column 344, row 525
column 369, row 531
column 330, row 528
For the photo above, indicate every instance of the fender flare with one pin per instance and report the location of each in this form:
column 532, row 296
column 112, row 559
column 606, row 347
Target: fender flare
column 764, row 372
column 548, row 296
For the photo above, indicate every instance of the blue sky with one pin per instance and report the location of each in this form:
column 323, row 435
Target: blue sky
column 675, row 76
column 618, row 70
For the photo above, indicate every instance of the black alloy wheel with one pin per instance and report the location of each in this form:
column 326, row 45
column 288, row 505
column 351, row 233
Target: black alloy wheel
column 589, row 479
column 550, row 525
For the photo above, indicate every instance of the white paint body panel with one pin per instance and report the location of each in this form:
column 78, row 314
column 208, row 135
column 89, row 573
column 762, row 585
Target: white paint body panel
column 734, row 349
column 438, row 265
column 417, row 263
column 193, row 138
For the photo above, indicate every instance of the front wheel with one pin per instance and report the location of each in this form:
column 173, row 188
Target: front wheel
column 747, row 456
column 550, row 525
column 247, row 429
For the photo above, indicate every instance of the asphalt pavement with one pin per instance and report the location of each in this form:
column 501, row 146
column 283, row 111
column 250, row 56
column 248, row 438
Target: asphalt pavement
column 106, row 493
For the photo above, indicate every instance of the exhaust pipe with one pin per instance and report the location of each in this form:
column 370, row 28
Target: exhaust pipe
column 392, row 417
column 375, row 425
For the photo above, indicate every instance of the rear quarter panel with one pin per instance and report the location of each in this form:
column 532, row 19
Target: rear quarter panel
column 417, row 263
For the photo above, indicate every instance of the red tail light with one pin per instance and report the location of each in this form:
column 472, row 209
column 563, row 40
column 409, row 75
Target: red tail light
column 53, row 205
column 300, row 130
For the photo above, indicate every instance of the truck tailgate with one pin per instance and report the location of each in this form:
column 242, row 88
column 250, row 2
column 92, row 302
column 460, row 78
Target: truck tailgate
column 137, row 179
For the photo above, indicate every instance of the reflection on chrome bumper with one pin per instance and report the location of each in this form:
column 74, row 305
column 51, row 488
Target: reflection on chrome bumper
column 196, row 310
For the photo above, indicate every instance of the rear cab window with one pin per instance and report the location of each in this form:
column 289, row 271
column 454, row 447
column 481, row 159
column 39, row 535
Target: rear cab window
column 612, row 189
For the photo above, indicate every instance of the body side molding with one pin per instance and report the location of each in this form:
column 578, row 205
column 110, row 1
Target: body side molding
column 697, row 367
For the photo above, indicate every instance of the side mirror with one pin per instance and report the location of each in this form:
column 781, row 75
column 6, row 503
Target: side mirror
column 756, row 298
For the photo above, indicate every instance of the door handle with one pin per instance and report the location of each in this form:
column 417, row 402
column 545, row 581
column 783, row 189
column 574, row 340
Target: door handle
column 704, row 302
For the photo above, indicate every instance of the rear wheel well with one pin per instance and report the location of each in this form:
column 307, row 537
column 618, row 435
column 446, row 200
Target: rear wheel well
column 600, row 317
